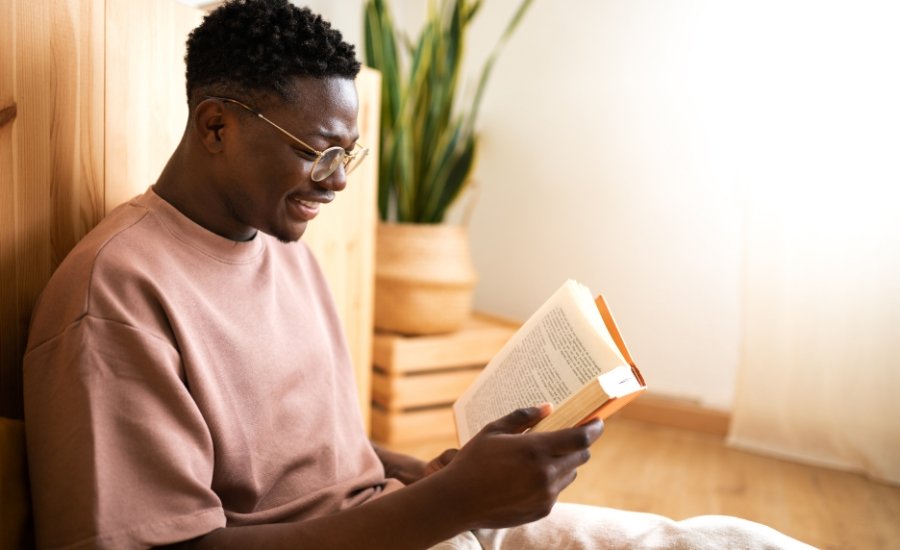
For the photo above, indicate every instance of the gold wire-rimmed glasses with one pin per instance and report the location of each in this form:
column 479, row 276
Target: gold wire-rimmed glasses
column 327, row 161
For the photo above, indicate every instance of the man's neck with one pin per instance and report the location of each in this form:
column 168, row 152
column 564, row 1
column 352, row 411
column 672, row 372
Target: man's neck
column 192, row 192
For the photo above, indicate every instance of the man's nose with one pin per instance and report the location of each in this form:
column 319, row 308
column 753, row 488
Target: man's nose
column 336, row 181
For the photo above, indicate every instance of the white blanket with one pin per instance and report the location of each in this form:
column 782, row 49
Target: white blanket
column 580, row 527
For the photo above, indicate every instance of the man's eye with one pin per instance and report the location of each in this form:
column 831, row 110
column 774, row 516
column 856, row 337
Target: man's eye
column 308, row 155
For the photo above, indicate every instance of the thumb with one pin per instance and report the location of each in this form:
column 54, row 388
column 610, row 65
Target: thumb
column 520, row 419
column 436, row 464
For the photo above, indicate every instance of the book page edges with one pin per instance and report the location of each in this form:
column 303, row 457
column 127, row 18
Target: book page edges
column 571, row 411
column 459, row 435
column 571, row 418
column 609, row 407
column 612, row 405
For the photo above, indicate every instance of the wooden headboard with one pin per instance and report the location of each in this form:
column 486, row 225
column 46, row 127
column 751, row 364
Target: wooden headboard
column 92, row 103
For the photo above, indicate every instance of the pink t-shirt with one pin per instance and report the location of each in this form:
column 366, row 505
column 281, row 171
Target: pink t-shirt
column 177, row 381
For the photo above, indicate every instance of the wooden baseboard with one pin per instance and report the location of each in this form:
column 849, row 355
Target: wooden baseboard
column 677, row 413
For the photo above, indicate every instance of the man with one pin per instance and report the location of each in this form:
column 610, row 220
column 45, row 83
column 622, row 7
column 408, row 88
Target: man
column 186, row 376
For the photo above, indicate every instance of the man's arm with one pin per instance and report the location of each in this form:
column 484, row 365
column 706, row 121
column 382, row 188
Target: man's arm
column 499, row 479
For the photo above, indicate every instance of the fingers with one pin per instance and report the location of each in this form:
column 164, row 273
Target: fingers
column 566, row 481
column 590, row 433
column 571, row 439
column 565, row 469
column 519, row 420
column 571, row 461
column 559, row 442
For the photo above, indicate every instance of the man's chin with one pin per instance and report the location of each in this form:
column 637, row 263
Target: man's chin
column 288, row 235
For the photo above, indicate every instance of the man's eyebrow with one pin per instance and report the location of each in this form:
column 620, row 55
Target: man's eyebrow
column 331, row 136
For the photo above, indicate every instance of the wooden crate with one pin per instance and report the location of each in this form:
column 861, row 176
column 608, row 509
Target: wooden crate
column 416, row 379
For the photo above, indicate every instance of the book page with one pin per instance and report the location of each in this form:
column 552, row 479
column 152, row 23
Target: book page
column 562, row 346
column 620, row 381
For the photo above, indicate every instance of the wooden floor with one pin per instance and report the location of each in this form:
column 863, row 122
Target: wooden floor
column 679, row 473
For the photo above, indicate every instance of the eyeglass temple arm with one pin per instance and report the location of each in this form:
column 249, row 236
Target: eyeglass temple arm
column 318, row 154
column 279, row 128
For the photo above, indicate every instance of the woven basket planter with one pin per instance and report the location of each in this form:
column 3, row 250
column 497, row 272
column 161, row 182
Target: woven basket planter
column 424, row 278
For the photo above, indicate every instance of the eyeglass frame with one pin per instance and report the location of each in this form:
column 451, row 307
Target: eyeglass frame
column 346, row 158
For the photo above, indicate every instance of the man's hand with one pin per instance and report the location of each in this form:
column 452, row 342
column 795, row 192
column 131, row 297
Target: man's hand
column 505, row 477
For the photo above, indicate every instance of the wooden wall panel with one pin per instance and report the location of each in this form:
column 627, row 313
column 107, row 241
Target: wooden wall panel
column 146, row 102
column 343, row 239
column 54, row 177
column 76, row 117
column 10, row 337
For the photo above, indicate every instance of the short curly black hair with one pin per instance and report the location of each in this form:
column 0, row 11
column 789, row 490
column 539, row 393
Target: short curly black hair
column 256, row 47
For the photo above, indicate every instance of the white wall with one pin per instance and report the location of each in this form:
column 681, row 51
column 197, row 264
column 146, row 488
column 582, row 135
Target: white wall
column 344, row 15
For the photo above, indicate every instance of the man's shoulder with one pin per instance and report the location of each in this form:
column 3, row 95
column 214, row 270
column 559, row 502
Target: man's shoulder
column 117, row 242
column 121, row 222
column 112, row 241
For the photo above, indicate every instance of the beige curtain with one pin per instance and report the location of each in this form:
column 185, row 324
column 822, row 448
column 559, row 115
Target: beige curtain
column 820, row 372
column 819, row 376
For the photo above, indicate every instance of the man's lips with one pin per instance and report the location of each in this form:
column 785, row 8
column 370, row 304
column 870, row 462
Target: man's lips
column 306, row 209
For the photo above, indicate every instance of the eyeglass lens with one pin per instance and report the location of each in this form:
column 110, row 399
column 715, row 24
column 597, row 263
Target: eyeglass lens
column 354, row 161
column 331, row 159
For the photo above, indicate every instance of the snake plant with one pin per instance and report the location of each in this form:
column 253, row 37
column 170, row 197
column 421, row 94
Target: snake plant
column 428, row 138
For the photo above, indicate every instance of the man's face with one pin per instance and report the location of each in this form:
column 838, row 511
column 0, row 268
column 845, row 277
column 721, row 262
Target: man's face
column 266, row 181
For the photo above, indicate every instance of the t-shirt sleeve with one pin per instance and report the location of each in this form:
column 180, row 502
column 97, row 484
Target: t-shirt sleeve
column 119, row 453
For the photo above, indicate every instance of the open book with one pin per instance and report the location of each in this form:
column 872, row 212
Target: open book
column 569, row 353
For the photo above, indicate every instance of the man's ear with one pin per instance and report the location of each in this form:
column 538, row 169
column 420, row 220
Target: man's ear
column 209, row 123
